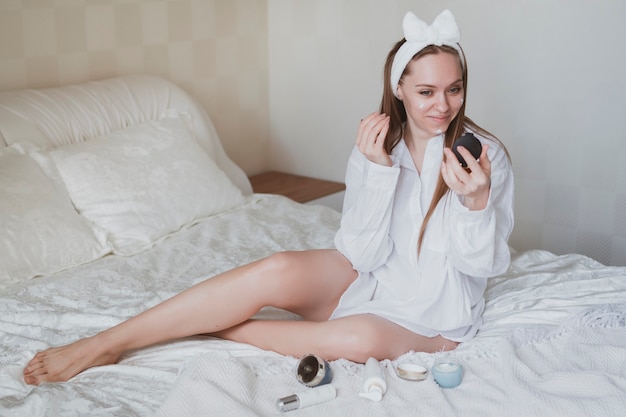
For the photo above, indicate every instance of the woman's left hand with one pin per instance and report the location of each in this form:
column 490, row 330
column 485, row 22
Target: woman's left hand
column 473, row 182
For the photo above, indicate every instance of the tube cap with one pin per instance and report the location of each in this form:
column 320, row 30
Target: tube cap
column 291, row 402
column 375, row 393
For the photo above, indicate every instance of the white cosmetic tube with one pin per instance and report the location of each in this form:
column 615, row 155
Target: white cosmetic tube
column 374, row 385
column 312, row 396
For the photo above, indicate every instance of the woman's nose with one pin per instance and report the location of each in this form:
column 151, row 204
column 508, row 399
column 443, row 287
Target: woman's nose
column 442, row 103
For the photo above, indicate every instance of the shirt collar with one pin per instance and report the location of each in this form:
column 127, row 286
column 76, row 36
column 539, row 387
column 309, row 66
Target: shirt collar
column 402, row 157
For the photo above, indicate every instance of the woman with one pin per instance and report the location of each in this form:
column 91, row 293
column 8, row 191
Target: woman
column 419, row 236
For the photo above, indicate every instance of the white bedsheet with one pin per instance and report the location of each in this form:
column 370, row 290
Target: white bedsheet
column 59, row 309
column 553, row 342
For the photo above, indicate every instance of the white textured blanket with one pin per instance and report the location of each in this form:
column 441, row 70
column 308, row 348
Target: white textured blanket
column 544, row 355
column 579, row 370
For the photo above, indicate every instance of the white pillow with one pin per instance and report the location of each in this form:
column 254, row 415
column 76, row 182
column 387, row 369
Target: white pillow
column 41, row 231
column 143, row 182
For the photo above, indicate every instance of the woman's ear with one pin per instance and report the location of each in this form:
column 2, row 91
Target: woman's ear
column 399, row 93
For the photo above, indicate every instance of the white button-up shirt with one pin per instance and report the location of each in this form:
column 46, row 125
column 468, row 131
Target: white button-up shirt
column 439, row 291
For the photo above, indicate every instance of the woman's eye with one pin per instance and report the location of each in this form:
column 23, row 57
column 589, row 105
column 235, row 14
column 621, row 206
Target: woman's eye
column 426, row 92
column 455, row 90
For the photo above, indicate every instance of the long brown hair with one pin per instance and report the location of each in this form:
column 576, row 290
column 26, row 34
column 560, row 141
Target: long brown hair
column 394, row 108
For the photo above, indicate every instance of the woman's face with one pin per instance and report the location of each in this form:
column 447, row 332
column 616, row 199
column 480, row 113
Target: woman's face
column 432, row 93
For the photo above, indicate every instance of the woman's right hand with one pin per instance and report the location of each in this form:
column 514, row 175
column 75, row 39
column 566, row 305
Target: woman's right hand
column 370, row 138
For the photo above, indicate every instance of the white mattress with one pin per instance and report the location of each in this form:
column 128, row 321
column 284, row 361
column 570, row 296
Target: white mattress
column 553, row 341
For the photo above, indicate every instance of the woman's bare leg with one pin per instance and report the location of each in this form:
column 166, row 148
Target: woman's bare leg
column 355, row 338
column 308, row 283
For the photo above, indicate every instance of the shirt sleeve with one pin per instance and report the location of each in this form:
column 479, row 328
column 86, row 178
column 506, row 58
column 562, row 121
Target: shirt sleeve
column 363, row 236
column 478, row 241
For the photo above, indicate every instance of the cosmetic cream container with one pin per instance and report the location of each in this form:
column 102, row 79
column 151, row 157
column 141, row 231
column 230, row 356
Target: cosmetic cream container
column 447, row 372
column 411, row 371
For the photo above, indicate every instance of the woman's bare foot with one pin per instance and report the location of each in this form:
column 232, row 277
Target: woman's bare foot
column 62, row 363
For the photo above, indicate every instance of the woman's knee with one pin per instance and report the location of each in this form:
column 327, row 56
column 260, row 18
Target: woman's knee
column 279, row 266
column 278, row 276
column 308, row 283
column 326, row 267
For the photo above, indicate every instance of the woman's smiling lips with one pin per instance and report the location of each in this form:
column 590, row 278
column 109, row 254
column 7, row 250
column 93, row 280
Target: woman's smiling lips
column 439, row 119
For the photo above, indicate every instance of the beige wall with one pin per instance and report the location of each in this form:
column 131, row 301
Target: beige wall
column 214, row 49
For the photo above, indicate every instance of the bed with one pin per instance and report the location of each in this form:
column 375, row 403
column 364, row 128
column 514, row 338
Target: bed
column 117, row 194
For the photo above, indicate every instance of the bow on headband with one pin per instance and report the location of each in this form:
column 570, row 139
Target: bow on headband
column 418, row 35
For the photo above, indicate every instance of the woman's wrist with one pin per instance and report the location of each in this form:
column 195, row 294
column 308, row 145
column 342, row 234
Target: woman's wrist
column 477, row 202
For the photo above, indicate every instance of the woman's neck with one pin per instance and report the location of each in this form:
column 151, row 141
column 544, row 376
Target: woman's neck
column 416, row 141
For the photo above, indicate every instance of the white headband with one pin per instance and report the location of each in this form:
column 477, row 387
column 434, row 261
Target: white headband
column 418, row 35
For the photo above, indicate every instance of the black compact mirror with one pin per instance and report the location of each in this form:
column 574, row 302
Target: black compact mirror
column 469, row 142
